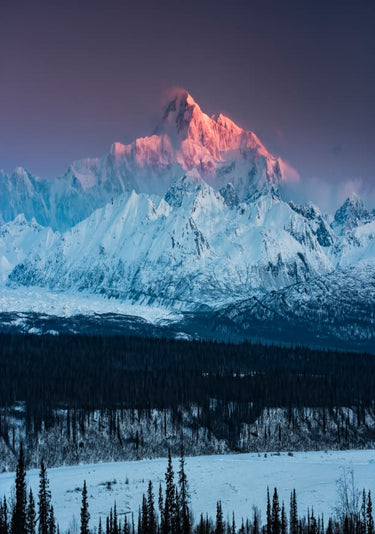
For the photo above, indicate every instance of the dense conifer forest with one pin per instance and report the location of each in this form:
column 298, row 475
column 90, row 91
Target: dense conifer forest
column 61, row 380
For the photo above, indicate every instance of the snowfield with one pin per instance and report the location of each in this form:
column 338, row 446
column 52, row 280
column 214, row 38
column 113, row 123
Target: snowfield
column 240, row 481
column 70, row 303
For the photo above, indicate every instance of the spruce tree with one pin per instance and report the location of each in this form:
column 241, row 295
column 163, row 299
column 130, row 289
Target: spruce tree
column 85, row 516
column 19, row 511
column 144, row 517
column 330, row 526
column 284, row 522
column 201, row 525
column 151, row 510
column 51, row 521
column 370, row 519
column 363, row 516
column 269, row 519
column 184, row 495
column 115, row 529
column 233, row 528
column 256, row 525
column 44, row 501
column 169, row 505
column 293, row 520
column 275, row 516
column 4, row 517
column 161, row 507
column 30, row 515
column 139, row 525
column 219, row 528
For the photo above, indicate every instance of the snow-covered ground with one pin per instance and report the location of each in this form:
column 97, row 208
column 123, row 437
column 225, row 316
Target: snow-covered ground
column 238, row 480
column 69, row 303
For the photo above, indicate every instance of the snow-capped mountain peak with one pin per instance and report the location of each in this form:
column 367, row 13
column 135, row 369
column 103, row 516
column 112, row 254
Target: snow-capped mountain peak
column 351, row 214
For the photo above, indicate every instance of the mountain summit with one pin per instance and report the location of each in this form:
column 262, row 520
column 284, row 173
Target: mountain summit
column 202, row 141
column 185, row 140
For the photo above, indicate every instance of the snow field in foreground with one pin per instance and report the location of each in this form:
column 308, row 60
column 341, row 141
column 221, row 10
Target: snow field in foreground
column 240, row 481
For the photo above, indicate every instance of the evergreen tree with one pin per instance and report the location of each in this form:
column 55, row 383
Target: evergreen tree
column 313, row 524
column 275, row 516
column 293, row 520
column 363, row 516
column 370, row 519
column 176, row 519
column 44, row 501
column 85, row 516
column 184, row 495
column 330, row 526
column 4, row 516
column 19, row 511
column 51, row 521
column 144, row 517
column 169, row 505
column 256, row 525
column 233, row 528
column 139, row 526
column 161, row 507
column 284, row 522
column 201, row 525
column 100, row 527
column 151, row 510
column 115, row 520
column 269, row 519
column 30, row 515
column 219, row 528
column 126, row 526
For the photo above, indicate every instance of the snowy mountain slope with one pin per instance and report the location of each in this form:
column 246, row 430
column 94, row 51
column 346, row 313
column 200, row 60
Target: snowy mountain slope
column 337, row 310
column 189, row 248
column 20, row 238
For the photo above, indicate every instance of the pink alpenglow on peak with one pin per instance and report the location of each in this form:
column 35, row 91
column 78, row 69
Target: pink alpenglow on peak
column 186, row 139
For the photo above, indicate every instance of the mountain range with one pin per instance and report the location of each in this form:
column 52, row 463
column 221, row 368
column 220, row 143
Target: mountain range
column 194, row 219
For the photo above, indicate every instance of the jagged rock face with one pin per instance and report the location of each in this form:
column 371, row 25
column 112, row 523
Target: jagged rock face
column 191, row 217
column 352, row 214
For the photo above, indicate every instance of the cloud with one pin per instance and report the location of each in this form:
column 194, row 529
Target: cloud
column 289, row 173
column 326, row 195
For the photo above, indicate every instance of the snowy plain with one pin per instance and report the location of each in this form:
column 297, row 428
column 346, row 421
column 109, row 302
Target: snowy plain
column 238, row 480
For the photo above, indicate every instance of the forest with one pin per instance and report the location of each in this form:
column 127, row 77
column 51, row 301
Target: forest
column 227, row 384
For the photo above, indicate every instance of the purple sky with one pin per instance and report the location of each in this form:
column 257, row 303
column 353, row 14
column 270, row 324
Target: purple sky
column 78, row 75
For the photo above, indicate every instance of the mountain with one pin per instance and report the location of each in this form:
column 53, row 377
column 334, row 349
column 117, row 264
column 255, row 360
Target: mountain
column 185, row 139
column 192, row 218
